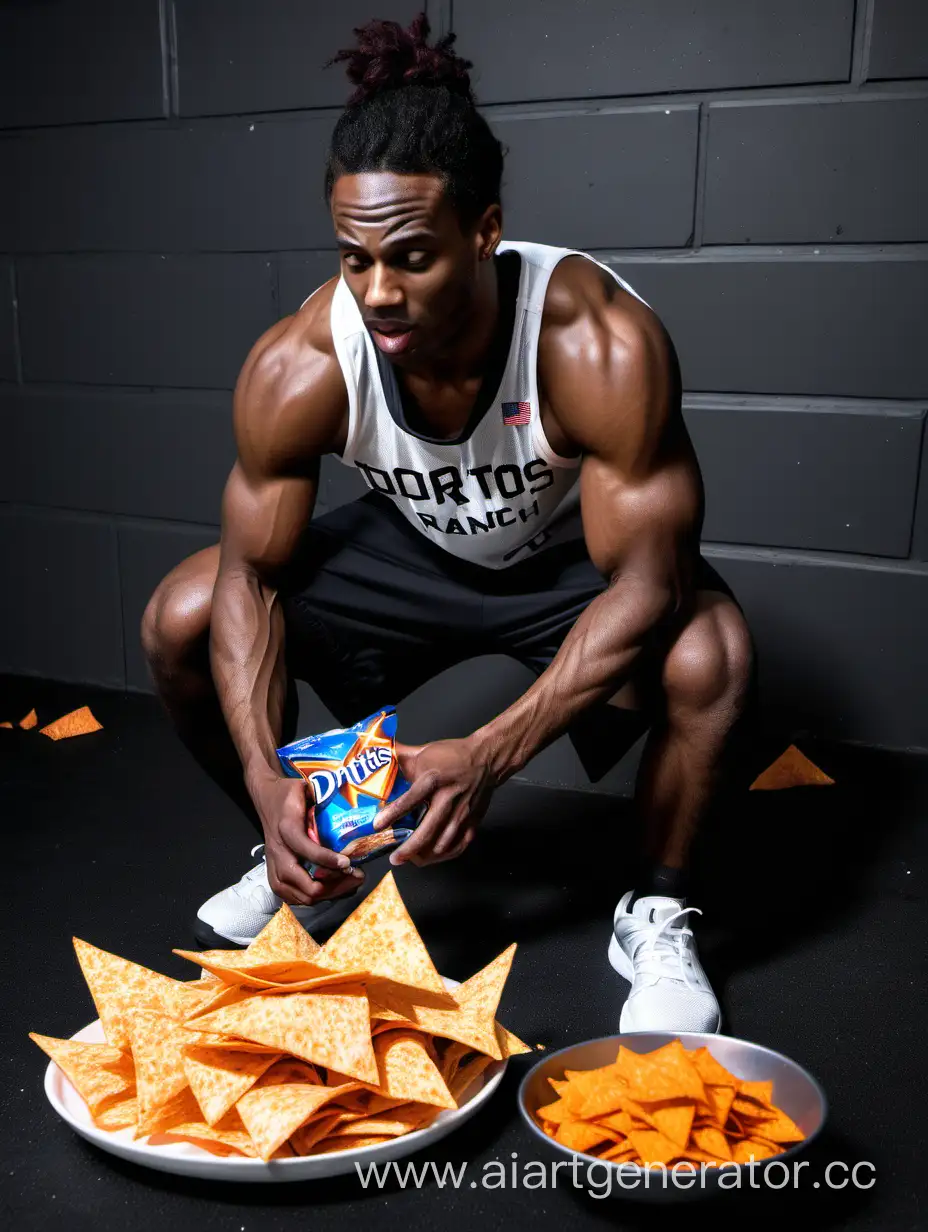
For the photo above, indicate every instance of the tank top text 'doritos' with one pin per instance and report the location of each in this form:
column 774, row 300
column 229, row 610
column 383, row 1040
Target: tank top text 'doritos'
column 497, row 493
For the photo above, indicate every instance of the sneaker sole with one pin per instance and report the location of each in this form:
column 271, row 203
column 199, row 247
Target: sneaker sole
column 209, row 939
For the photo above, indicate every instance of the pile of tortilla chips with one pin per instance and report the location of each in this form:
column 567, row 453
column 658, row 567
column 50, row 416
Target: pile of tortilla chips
column 288, row 1047
column 665, row 1107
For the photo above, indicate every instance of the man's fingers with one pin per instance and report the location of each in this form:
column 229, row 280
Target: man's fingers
column 420, row 791
column 296, row 840
column 423, row 836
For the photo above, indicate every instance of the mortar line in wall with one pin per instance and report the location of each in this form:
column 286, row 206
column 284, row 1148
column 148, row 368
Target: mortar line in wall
column 901, row 90
column 165, row 58
column 921, row 490
column 173, row 60
column 122, row 605
column 699, row 189
column 862, row 40
column 17, row 344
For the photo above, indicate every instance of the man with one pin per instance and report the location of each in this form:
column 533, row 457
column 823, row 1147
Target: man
column 515, row 411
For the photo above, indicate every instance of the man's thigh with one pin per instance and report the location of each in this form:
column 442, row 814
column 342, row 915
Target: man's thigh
column 371, row 610
column 532, row 625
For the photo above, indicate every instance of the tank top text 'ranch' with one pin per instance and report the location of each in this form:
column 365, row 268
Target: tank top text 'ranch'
column 501, row 493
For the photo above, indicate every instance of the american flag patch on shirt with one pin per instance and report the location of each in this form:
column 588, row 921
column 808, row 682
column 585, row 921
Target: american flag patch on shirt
column 515, row 413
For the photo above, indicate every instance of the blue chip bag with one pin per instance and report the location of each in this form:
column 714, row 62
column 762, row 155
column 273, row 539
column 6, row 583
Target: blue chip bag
column 353, row 772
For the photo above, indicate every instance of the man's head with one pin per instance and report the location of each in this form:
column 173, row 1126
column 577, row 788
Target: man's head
column 413, row 182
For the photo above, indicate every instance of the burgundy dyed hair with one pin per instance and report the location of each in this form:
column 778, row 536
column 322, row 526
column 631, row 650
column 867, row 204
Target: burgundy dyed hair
column 413, row 112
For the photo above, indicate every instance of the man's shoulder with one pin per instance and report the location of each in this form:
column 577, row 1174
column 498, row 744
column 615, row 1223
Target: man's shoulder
column 291, row 394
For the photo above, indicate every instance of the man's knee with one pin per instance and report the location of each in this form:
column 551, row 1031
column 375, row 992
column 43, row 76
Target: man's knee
column 712, row 661
column 175, row 624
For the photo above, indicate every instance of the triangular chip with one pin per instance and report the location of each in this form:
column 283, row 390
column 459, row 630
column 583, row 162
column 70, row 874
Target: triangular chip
column 331, row 1029
column 711, row 1139
column 305, row 1138
column 791, row 769
column 467, row 1075
column 582, row 1135
column 408, row 1072
column 121, row 1114
column 31, row 720
column 471, row 1022
column 272, row 1113
column 402, row 1120
column 289, row 975
column 98, row 1072
column 219, row 1077
column 6, row 724
column 652, row 1146
column 180, row 1121
column 509, row 1045
column 711, row 1070
column 158, row 1044
column 119, row 987
column 78, row 723
column 282, row 937
column 379, row 937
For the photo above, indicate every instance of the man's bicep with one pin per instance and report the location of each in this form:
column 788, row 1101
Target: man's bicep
column 646, row 529
column 263, row 520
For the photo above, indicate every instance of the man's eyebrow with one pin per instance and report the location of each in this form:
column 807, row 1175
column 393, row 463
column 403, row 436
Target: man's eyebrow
column 397, row 242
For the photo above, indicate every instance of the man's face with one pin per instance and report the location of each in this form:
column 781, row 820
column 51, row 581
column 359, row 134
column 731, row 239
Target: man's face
column 410, row 265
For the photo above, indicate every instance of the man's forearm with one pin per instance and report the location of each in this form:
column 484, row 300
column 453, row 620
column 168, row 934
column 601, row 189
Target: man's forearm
column 246, row 644
column 597, row 657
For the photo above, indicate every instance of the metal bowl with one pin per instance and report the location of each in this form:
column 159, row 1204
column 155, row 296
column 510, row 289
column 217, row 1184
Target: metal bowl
column 794, row 1090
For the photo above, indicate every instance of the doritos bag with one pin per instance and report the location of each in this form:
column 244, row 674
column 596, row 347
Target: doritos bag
column 353, row 772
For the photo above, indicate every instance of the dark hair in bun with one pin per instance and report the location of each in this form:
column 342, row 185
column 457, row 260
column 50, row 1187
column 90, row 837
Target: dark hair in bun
column 413, row 112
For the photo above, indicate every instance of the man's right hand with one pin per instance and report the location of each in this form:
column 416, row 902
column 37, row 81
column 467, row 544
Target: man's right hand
column 283, row 804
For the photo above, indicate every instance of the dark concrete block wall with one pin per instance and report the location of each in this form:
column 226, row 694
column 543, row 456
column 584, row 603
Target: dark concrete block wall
column 754, row 168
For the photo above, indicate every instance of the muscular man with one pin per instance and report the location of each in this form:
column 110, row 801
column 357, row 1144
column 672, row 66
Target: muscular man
column 515, row 411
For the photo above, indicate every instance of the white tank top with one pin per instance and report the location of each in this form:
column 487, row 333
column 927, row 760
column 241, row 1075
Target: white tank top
column 495, row 495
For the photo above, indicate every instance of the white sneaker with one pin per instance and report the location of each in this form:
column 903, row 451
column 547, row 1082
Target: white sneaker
column 238, row 913
column 653, row 949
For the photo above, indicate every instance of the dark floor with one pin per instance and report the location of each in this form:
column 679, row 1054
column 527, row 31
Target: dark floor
column 813, row 934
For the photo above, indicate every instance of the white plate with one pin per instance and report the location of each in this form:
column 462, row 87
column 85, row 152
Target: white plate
column 188, row 1160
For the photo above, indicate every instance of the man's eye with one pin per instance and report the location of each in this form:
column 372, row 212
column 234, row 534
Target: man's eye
column 417, row 259
column 353, row 261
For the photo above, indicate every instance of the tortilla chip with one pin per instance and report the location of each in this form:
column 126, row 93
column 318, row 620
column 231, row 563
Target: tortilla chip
column 791, row 769
column 710, row 1070
column 674, row 1120
column 581, row 1135
column 667, row 1073
column 652, row 1146
column 271, row 1113
column 120, row 987
column 509, row 1045
column 782, row 1130
column 219, row 1077
column 403, row 1120
column 78, row 723
column 472, row 1021
column 31, row 720
column 743, row 1152
column 379, row 937
column 762, row 1092
column 408, row 1072
column 467, row 1075
column 711, row 1140
column 98, row 1072
column 349, row 1143
column 121, row 1114
column 180, row 1122
column 305, row 1138
column 331, row 1029
column 158, row 1045
column 283, row 937
column 288, row 975
column 6, row 724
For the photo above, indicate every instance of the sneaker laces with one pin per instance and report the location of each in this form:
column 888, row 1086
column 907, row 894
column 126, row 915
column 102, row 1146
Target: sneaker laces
column 664, row 951
column 257, row 874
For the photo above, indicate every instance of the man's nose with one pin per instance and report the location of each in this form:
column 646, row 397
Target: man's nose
column 382, row 289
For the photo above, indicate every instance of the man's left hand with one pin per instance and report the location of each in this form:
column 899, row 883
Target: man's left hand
column 457, row 784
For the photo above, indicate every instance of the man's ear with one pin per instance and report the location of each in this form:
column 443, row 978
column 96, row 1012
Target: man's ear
column 489, row 231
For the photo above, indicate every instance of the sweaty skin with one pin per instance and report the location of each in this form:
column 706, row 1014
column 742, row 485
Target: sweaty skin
column 610, row 391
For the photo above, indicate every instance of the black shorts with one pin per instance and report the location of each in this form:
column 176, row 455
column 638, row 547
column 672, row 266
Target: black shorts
column 373, row 609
